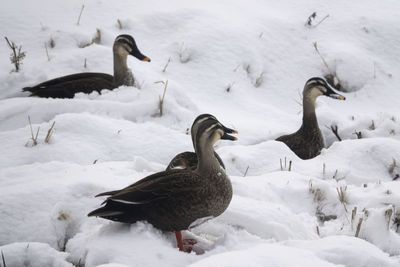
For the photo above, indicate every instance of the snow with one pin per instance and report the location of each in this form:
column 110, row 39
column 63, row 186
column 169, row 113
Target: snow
column 263, row 52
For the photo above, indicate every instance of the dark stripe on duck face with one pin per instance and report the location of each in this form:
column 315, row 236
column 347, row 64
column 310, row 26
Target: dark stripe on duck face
column 316, row 81
column 202, row 118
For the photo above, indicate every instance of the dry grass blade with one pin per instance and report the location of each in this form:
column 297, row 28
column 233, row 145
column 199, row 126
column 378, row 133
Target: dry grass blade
column 327, row 16
column 80, row 14
column 166, row 65
column 353, row 216
column 334, row 129
column 161, row 99
column 389, row 213
column 47, row 52
column 341, row 191
column 34, row 139
column 97, row 37
column 290, row 165
column 322, row 58
column 324, row 62
column 358, row 134
column 318, row 231
column 259, row 80
column 247, row 169
column 119, row 24
column 359, row 227
column 16, row 56
column 3, row 258
column 49, row 133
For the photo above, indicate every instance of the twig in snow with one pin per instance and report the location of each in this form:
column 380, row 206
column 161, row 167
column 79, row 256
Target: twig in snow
column 372, row 126
column 334, row 129
column 16, row 55
column 318, row 230
column 52, row 43
column 80, row 14
column 47, row 52
column 34, row 138
column 229, row 87
column 325, row 63
column 341, row 191
column 335, row 174
column 358, row 134
column 353, row 216
column 321, row 21
column 119, row 24
column 389, row 213
column 95, row 161
column 49, row 133
column 85, row 64
column 3, row 258
column 359, row 227
column 283, row 166
column 161, row 99
column 166, row 65
column 97, row 37
column 259, row 79
column 247, row 169
column 323, row 169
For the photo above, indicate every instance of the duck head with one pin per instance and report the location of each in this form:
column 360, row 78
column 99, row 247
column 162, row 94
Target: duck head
column 208, row 119
column 208, row 130
column 125, row 45
column 316, row 86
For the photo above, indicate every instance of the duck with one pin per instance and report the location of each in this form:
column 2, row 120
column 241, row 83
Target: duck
column 176, row 199
column 87, row 82
column 188, row 159
column 308, row 141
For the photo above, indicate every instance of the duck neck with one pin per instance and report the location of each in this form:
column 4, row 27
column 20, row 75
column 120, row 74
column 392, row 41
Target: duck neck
column 309, row 117
column 122, row 74
column 207, row 162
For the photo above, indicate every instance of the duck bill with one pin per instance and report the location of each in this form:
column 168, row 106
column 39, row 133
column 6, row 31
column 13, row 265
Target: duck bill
column 229, row 130
column 228, row 137
column 140, row 56
column 333, row 94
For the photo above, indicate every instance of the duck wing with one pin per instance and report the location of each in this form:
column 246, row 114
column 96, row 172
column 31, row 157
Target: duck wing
column 162, row 185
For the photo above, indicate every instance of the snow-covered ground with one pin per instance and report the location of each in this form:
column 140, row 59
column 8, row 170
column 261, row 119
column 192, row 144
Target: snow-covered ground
column 245, row 62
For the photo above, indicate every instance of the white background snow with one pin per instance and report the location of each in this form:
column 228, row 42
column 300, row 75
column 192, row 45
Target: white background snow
column 46, row 190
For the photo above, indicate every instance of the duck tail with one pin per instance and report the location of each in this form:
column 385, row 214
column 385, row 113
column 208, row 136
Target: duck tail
column 109, row 193
column 104, row 212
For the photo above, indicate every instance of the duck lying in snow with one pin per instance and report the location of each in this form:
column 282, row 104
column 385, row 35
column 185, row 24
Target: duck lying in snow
column 87, row 82
column 308, row 142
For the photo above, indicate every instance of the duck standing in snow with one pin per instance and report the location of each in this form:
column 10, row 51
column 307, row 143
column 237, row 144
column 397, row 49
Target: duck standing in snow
column 188, row 159
column 175, row 199
column 308, row 142
column 87, row 82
